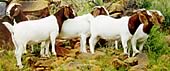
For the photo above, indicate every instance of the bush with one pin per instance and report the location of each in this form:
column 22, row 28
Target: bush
column 156, row 42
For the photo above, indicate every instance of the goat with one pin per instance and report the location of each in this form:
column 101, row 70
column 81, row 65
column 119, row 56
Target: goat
column 80, row 26
column 33, row 31
column 14, row 11
column 107, row 27
column 142, row 32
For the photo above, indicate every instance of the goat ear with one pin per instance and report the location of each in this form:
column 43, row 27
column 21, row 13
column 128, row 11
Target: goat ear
column 143, row 19
column 16, row 12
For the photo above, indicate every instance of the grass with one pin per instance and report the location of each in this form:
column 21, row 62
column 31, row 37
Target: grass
column 7, row 61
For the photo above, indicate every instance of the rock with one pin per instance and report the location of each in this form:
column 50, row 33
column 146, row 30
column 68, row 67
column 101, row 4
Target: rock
column 62, row 51
column 138, row 68
column 142, row 59
column 131, row 61
column 44, row 65
column 39, row 69
column 77, row 45
column 123, row 56
column 117, row 63
column 31, row 61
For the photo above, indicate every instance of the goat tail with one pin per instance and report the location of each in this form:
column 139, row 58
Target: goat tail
column 9, row 26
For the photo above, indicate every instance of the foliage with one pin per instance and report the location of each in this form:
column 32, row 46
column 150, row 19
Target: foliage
column 99, row 2
column 7, row 61
column 156, row 42
column 155, row 47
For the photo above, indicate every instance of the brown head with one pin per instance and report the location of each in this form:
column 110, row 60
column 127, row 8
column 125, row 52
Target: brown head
column 99, row 10
column 15, row 11
column 158, row 17
column 64, row 13
column 141, row 16
column 149, row 19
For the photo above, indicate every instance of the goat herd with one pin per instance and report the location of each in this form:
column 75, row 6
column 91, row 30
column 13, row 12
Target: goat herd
column 64, row 24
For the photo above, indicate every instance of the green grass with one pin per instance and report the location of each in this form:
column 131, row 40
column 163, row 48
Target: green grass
column 7, row 61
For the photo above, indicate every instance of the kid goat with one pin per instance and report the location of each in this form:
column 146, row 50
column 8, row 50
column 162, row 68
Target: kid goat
column 33, row 31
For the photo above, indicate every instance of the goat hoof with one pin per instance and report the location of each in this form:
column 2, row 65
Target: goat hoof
column 54, row 54
column 135, row 54
column 20, row 66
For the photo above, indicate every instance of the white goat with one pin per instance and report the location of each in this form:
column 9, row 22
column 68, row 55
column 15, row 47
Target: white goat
column 142, row 33
column 80, row 26
column 26, row 32
column 77, row 27
column 107, row 27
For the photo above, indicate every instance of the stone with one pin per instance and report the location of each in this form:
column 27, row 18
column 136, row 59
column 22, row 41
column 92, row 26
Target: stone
column 138, row 68
column 117, row 63
column 132, row 61
column 142, row 59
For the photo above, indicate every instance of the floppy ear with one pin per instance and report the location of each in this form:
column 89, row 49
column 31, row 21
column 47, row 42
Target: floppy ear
column 95, row 12
column 16, row 12
column 65, row 12
column 143, row 19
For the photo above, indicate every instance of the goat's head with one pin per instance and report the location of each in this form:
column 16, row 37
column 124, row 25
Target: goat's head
column 68, row 11
column 64, row 13
column 99, row 10
column 140, row 16
column 145, row 16
column 158, row 17
column 13, row 9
